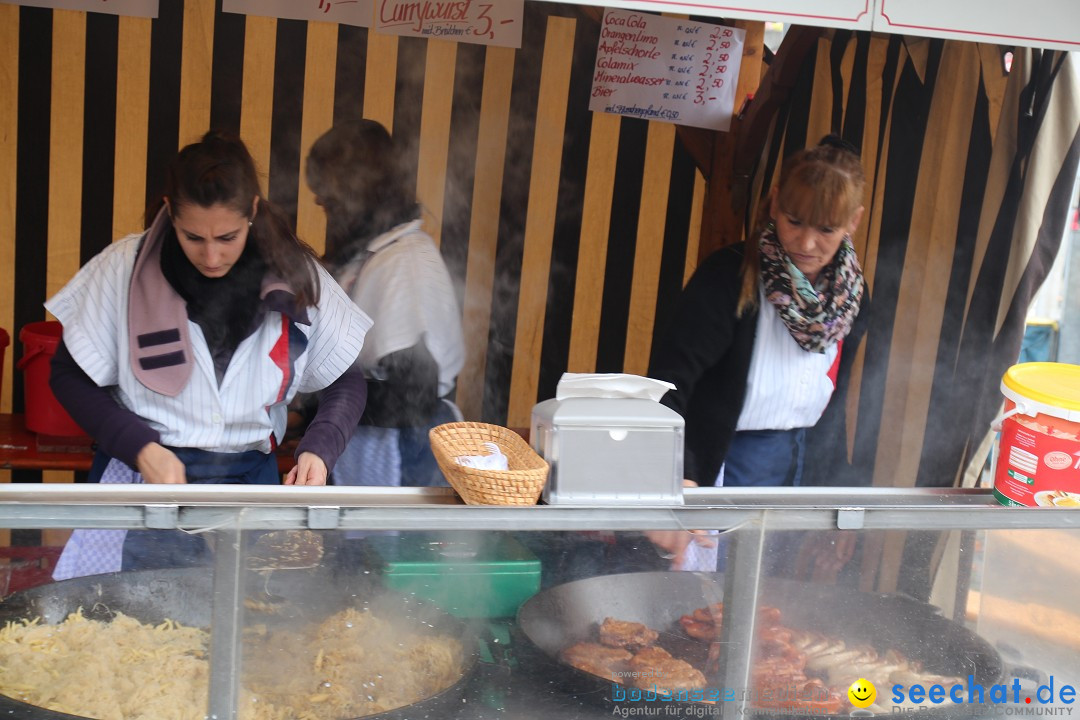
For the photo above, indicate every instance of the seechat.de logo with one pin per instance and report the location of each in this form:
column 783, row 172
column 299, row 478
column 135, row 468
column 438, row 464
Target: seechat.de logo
column 1002, row 694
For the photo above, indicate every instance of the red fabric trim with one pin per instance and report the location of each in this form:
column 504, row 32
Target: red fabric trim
column 835, row 369
column 280, row 355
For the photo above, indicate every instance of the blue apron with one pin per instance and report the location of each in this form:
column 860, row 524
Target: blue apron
column 157, row 549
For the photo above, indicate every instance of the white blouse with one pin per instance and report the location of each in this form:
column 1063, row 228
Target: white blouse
column 402, row 281
column 787, row 386
column 251, row 403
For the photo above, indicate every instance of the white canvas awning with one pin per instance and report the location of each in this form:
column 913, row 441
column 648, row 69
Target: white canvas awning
column 1053, row 24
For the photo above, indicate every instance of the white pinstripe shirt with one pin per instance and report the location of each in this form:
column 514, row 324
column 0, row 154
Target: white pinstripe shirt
column 787, row 387
column 248, row 406
column 405, row 285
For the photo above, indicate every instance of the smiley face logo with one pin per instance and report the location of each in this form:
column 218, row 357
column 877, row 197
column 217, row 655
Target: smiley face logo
column 862, row 693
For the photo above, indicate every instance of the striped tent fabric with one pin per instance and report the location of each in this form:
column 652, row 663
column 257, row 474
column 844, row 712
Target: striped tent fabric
column 569, row 234
column 970, row 170
column 566, row 232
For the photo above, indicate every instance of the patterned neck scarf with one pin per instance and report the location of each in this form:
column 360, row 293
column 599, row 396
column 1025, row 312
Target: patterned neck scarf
column 816, row 316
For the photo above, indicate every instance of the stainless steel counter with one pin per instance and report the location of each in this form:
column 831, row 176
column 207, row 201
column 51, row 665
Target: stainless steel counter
column 752, row 517
column 252, row 507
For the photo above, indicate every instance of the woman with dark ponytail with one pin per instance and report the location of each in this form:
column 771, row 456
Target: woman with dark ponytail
column 183, row 346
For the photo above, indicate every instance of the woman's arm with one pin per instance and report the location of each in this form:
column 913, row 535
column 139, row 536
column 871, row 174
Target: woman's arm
column 701, row 329
column 118, row 432
column 405, row 398
column 340, row 407
column 697, row 338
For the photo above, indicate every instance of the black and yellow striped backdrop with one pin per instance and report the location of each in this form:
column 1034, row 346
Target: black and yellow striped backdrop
column 569, row 234
column 561, row 228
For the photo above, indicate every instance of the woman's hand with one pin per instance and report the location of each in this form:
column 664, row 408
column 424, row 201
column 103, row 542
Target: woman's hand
column 670, row 543
column 673, row 543
column 158, row 464
column 310, row 470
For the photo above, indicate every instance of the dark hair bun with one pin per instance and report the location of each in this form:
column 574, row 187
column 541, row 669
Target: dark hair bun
column 835, row 141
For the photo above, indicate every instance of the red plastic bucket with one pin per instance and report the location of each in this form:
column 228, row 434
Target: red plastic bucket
column 1037, row 462
column 44, row 414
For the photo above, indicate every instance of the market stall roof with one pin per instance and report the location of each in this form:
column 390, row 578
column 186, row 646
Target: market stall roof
column 1056, row 24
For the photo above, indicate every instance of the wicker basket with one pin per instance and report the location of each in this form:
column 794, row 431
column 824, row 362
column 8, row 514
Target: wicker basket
column 520, row 485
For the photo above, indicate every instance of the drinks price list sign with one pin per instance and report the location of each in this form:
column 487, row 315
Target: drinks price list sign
column 659, row 68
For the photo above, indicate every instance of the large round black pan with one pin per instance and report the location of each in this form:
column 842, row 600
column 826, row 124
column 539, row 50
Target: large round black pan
column 565, row 614
column 184, row 595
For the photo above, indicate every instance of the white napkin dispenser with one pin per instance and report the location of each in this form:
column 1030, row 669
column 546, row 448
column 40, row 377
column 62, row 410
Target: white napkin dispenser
column 609, row 451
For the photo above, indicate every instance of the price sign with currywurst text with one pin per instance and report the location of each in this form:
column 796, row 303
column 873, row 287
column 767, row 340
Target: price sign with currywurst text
column 659, row 68
column 495, row 22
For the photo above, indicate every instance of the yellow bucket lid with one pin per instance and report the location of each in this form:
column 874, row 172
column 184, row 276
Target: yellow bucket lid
column 1052, row 385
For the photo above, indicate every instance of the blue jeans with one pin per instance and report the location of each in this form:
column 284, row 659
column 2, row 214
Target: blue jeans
column 418, row 466
column 766, row 458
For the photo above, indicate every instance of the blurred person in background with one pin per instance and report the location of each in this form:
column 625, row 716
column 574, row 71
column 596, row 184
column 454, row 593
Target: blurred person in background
column 380, row 255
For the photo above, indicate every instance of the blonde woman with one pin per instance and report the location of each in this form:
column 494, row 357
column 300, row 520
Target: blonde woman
column 766, row 331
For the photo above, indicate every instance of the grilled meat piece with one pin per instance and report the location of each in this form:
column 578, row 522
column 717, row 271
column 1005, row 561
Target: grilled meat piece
column 647, row 657
column 699, row 630
column 704, row 623
column 811, row 697
column 668, row 674
column 768, row 616
column 597, row 659
column 712, row 660
column 622, row 634
column 710, row 614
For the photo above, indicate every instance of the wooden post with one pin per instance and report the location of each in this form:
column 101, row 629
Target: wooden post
column 736, row 152
column 724, row 208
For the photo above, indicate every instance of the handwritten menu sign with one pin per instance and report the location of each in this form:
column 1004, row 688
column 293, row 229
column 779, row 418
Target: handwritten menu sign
column 347, row 12
column 497, row 22
column 659, row 68
column 136, row 8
